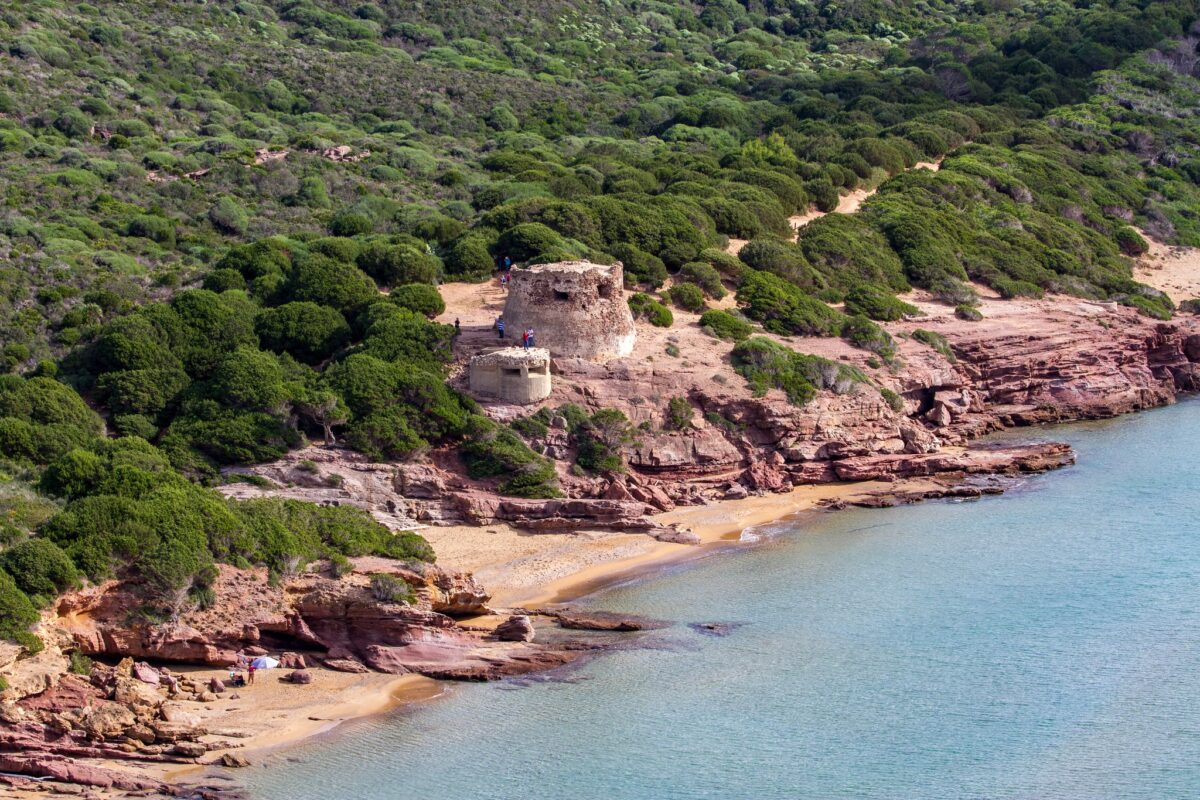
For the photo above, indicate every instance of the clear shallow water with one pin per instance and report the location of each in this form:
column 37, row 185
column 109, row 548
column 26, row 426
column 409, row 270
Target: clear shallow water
column 1044, row 644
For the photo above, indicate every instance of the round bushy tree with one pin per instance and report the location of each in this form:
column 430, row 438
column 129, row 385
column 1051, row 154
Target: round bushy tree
column 419, row 297
column 310, row 332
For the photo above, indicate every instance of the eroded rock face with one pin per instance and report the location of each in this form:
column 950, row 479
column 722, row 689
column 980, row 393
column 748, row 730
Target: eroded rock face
column 340, row 618
column 1026, row 363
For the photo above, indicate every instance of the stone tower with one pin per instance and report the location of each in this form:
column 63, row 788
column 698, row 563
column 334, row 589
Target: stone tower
column 577, row 309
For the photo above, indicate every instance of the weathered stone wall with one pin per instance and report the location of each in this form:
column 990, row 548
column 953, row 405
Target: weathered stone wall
column 576, row 309
column 513, row 374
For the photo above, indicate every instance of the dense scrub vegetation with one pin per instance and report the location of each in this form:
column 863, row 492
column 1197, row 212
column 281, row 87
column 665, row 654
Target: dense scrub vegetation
column 139, row 141
column 203, row 202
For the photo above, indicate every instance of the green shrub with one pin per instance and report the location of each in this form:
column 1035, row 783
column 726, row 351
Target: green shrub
column 529, row 241
column 17, row 615
column 223, row 280
column 468, row 258
column 73, row 123
column 968, row 313
column 40, row 568
column 640, row 267
column 877, row 304
column 600, row 440
column 391, row 265
column 894, row 401
column 646, row 307
column 310, row 332
column 229, row 217
column 783, row 308
column 1009, row 289
column 782, row 259
column 724, row 325
column 679, row 414
column 313, row 193
column 419, row 297
column 349, row 223
column 1154, row 307
column 157, row 229
column 80, row 664
column 391, row 589
column 1131, row 242
column 491, row 450
column 705, row 276
column 533, row 425
column 847, row 250
column 322, row 280
column 937, row 341
column 687, row 296
column 865, row 334
column 767, row 365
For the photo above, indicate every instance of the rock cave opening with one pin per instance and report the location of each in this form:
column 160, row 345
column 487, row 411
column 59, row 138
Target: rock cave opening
column 278, row 642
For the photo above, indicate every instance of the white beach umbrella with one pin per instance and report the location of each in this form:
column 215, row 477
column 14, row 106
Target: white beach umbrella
column 264, row 662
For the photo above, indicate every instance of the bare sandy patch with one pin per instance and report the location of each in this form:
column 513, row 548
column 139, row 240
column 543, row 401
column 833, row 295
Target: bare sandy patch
column 1172, row 269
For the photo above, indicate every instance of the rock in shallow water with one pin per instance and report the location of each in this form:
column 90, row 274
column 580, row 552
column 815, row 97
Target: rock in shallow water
column 715, row 628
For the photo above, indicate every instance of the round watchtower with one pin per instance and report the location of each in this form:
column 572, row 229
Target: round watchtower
column 577, row 309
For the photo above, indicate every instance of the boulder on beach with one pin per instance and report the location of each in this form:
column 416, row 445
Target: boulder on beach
column 145, row 673
column 291, row 660
column 517, row 628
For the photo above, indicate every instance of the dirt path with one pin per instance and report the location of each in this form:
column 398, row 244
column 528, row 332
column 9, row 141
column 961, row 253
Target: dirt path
column 849, row 203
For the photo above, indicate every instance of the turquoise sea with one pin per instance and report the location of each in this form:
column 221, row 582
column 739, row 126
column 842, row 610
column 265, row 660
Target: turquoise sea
column 1042, row 644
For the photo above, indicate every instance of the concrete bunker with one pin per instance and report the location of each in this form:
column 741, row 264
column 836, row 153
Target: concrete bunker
column 513, row 374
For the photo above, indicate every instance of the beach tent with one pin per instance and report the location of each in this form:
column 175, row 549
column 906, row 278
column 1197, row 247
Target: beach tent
column 264, row 662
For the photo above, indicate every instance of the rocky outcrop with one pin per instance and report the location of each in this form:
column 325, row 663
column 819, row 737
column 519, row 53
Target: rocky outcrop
column 110, row 715
column 339, row 620
column 1027, row 362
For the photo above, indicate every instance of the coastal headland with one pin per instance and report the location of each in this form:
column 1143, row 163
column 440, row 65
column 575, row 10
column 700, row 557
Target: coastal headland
column 491, row 608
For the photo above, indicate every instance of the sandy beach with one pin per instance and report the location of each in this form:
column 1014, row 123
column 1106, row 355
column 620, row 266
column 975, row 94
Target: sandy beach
column 534, row 569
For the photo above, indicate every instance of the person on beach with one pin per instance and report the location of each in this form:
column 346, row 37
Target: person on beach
column 457, row 327
column 500, row 327
column 250, row 674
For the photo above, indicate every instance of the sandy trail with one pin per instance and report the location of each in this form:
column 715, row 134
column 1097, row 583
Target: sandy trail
column 849, row 203
column 1172, row 269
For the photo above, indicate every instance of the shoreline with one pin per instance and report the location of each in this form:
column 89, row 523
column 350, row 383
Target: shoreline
column 719, row 525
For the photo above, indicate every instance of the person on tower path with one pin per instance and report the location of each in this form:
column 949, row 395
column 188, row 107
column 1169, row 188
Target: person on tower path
column 500, row 327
